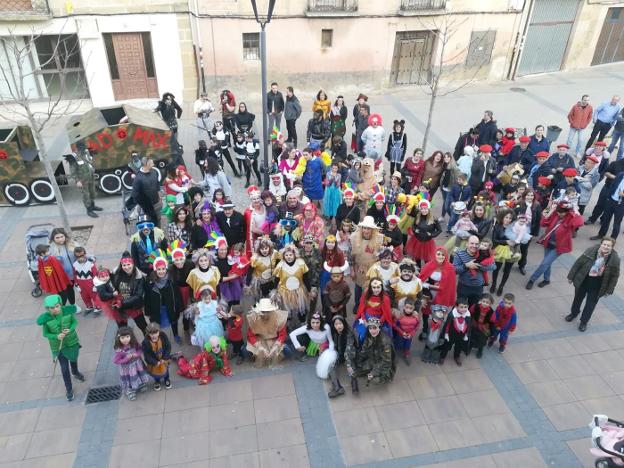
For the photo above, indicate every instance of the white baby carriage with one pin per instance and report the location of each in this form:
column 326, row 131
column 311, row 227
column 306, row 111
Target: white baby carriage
column 608, row 441
column 35, row 235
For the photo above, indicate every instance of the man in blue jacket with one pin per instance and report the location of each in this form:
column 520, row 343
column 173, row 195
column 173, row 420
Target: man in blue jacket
column 614, row 209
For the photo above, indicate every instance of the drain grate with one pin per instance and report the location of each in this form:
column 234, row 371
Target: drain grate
column 101, row 394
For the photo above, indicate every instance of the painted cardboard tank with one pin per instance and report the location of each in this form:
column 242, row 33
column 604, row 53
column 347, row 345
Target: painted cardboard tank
column 22, row 176
column 112, row 134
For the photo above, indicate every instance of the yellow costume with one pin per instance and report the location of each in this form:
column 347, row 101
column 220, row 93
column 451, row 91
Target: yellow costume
column 262, row 271
column 291, row 289
column 404, row 289
column 197, row 278
column 376, row 271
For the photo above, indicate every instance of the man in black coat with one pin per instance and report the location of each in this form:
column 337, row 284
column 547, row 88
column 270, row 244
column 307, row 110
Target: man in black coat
column 483, row 168
column 232, row 224
column 469, row 138
column 487, row 129
column 145, row 190
column 522, row 154
column 275, row 107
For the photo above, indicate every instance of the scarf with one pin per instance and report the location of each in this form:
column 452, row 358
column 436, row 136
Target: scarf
column 161, row 282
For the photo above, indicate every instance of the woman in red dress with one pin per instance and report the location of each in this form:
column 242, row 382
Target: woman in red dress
column 420, row 237
column 375, row 303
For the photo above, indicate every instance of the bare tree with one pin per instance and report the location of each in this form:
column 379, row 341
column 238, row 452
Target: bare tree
column 20, row 102
column 445, row 67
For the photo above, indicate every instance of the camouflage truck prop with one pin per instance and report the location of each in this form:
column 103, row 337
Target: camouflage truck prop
column 112, row 134
column 23, row 179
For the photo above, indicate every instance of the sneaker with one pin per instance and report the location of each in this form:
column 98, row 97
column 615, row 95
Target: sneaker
column 142, row 388
column 501, row 349
column 168, row 384
column 69, row 395
column 529, row 285
column 541, row 284
column 156, row 387
column 79, row 376
column 87, row 311
column 97, row 312
column 131, row 396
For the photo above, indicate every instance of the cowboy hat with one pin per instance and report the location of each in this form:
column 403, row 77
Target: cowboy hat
column 266, row 305
column 368, row 222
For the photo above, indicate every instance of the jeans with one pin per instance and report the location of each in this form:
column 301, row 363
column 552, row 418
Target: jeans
column 578, row 133
column 600, row 130
column 65, row 365
column 275, row 120
column 613, row 210
column 446, row 203
column 590, row 287
column 550, row 255
column 162, row 377
column 453, row 217
column 615, row 137
column 291, row 128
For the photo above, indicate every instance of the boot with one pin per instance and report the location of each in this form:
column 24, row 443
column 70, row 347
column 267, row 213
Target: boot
column 493, row 288
column 354, row 385
column 336, row 390
column 92, row 213
column 499, row 291
column 96, row 208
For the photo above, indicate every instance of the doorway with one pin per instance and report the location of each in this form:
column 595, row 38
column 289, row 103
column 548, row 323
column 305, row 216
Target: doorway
column 131, row 65
column 610, row 45
column 411, row 62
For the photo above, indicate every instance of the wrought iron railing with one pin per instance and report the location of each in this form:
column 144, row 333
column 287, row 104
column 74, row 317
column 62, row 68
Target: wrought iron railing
column 329, row 6
column 13, row 8
column 423, row 5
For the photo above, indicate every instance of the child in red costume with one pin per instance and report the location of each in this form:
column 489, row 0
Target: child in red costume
column 108, row 298
column 84, row 273
column 234, row 329
column 405, row 328
column 456, row 331
column 504, row 319
column 482, row 316
column 374, row 303
column 52, row 277
column 213, row 356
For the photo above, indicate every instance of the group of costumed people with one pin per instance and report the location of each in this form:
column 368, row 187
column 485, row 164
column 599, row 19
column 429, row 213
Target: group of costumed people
column 276, row 279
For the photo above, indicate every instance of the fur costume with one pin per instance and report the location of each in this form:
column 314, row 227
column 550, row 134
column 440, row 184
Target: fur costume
column 364, row 254
column 369, row 180
column 266, row 331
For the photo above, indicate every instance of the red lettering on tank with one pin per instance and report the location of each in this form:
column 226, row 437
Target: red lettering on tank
column 105, row 140
column 161, row 141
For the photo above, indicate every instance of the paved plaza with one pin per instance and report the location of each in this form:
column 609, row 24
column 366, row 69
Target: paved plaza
column 527, row 407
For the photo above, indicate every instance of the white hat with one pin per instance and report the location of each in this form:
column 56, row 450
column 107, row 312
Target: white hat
column 266, row 305
column 368, row 222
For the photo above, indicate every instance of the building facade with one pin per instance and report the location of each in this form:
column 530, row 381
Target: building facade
column 118, row 51
column 366, row 44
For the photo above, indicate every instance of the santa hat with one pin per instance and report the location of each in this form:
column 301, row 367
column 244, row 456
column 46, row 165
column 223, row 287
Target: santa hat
column 379, row 197
column 545, row 181
column 570, row 172
column 253, row 192
column 374, row 118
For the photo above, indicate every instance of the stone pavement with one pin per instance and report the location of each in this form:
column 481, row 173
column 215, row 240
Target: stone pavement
column 528, row 407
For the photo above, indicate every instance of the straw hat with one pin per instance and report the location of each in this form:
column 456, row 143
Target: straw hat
column 266, row 305
column 368, row 222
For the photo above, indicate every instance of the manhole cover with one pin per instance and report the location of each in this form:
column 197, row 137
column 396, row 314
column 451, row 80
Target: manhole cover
column 518, row 90
column 81, row 234
column 101, row 394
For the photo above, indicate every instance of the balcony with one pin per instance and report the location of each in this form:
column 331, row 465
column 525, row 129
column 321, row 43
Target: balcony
column 332, row 8
column 15, row 10
column 408, row 6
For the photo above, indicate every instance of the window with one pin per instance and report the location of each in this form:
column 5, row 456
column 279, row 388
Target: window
column 327, row 37
column 251, row 46
column 146, row 39
column 52, row 68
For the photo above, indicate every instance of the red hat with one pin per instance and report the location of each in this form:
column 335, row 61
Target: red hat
column 600, row 143
column 510, row 130
column 489, row 184
column 485, row 148
column 562, row 145
column 542, row 155
column 545, row 181
column 570, row 172
column 524, row 139
column 593, row 159
column 379, row 197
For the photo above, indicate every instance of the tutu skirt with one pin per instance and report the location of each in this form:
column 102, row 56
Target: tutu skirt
column 419, row 250
column 205, row 328
column 503, row 253
column 231, row 290
column 331, row 200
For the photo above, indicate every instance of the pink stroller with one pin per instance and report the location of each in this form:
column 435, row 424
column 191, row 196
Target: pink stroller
column 608, row 441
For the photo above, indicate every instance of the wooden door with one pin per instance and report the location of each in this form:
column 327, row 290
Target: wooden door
column 610, row 45
column 412, row 58
column 131, row 80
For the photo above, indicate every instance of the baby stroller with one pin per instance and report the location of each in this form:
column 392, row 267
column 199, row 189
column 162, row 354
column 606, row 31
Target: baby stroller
column 608, row 439
column 35, row 235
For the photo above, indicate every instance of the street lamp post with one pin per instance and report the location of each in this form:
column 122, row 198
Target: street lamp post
column 265, row 132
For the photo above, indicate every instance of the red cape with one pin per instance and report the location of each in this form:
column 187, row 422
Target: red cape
column 446, row 295
column 52, row 277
